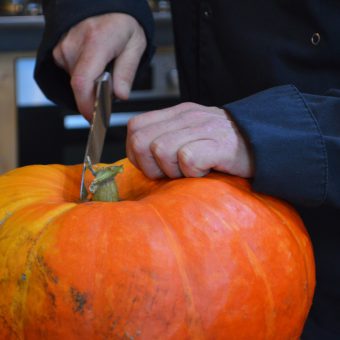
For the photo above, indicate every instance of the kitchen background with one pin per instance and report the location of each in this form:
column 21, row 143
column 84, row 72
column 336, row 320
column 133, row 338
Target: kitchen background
column 35, row 131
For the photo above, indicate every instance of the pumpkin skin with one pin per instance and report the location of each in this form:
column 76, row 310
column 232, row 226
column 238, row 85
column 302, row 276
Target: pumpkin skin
column 191, row 258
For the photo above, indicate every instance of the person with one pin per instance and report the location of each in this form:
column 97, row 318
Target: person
column 260, row 90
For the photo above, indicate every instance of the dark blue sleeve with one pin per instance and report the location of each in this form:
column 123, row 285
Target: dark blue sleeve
column 295, row 139
column 60, row 16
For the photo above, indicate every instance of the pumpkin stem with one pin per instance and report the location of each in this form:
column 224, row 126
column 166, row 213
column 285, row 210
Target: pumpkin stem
column 104, row 187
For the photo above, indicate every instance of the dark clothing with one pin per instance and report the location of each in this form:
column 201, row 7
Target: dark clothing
column 264, row 62
column 60, row 16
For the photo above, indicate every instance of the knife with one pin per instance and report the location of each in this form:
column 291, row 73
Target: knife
column 99, row 125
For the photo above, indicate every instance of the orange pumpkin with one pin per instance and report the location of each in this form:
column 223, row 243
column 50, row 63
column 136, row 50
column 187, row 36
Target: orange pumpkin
column 192, row 258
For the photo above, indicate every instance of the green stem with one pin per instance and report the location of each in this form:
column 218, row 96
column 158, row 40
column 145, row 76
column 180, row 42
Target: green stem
column 104, row 187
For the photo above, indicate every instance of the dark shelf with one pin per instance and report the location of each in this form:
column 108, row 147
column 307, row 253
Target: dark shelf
column 24, row 33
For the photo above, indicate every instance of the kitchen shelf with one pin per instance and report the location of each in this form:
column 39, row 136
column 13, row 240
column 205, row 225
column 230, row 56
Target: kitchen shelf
column 21, row 21
column 24, row 33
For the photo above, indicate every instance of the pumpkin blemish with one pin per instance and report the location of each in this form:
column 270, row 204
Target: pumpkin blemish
column 47, row 270
column 79, row 300
column 6, row 217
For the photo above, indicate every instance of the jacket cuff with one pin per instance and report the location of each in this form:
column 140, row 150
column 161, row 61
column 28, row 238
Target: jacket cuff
column 288, row 147
column 60, row 16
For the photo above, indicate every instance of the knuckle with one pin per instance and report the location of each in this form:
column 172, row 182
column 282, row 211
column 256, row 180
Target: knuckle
column 159, row 150
column 188, row 163
column 133, row 124
column 166, row 158
column 56, row 53
column 186, row 157
column 188, row 106
column 63, row 45
column 142, row 43
column 58, row 57
column 192, row 115
column 92, row 33
column 137, row 144
column 78, row 83
column 129, row 73
column 193, row 112
column 65, row 48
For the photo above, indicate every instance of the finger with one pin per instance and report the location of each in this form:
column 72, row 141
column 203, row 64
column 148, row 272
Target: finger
column 166, row 147
column 225, row 151
column 66, row 52
column 135, row 126
column 59, row 58
column 128, row 60
column 197, row 158
column 139, row 143
column 126, row 65
column 150, row 126
column 88, row 68
column 147, row 164
column 140, row 155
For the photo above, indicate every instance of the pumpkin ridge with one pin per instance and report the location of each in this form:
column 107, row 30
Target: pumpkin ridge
column 256, row 265
column 268, row 205
column 300, row 246
column 230, row 194
column 195, row 324
column 6, row 212
column 73, row 173
column 9, row 327
column 31, row 169
column 23, row 176
column 18, row 304
column 7, row 215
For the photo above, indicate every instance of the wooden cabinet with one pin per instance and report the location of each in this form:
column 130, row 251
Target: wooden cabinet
column 8, row 110
column 8, row 138
column 19, row 37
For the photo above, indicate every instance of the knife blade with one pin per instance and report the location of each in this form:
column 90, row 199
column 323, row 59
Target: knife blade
column 99, row 125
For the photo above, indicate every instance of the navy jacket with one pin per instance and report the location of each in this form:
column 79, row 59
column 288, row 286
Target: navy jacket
column 275, row 66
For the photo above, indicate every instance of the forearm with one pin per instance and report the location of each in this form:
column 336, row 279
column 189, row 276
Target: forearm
column 295, row 139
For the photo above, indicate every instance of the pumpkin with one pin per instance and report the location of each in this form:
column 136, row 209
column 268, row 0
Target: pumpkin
column 191, row 258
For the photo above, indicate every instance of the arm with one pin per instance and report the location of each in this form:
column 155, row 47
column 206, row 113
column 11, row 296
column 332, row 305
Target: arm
column 61, row 17
column 295, row 138
column 286, row 141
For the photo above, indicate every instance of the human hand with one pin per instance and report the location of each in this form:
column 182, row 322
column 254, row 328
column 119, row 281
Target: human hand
column 90, row 45
column 187, row 140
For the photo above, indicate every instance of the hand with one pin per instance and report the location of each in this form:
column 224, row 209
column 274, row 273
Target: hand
column 187, row 140
column 90, row 45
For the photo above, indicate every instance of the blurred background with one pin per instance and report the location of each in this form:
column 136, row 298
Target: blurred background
column 35, row 131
